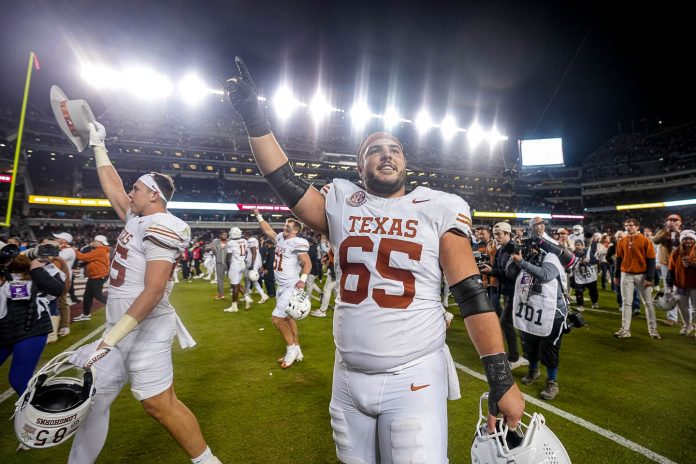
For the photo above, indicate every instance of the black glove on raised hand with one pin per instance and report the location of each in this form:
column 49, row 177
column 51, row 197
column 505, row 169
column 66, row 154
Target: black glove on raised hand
column 244, row 97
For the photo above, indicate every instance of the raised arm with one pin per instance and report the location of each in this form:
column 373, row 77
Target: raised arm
column 304, row 200
column 265, row 226
column 110, row 181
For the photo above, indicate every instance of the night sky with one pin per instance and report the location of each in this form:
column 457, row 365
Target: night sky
column 577, row 71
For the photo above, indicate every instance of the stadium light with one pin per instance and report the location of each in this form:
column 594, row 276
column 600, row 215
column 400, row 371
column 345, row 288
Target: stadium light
column 284, row 102
column 475, row 135
column 319, row 107
column 360, row 114
column 391, row 118
column 449, row 127
column 100, row 76
column 494, row 136
column 423, row 121
column 192, row 89
column 146, row 83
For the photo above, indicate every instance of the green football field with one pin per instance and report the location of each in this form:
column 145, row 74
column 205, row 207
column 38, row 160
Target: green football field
column 620, row 401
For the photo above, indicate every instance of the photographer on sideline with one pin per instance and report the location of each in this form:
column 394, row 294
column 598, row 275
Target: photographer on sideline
column 505, row 287
column 539, row 308
column 28, row 285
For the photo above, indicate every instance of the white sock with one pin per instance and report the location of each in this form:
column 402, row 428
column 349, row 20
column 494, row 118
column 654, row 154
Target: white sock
column 206, row 454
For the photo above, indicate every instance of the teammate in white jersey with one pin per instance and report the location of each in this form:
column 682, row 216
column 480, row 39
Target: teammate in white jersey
column 236, row 249
column 291, row 267
column 391, row 372
column 253, row 262
column 141, row 322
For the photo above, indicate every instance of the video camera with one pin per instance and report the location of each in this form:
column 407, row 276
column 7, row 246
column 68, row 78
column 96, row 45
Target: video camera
column 523, row 246
column 574, row 320
column 482, row 259
column 43, row 251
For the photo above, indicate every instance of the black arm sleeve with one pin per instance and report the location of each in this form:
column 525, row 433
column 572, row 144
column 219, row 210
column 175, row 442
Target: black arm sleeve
column 650, row 271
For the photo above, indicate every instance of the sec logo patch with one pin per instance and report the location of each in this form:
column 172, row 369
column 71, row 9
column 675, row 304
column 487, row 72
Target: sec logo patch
column 357, row 199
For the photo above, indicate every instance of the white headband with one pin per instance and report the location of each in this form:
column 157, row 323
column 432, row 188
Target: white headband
column 149, row 181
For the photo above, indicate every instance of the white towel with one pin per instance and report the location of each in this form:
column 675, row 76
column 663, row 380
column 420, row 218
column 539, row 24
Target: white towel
column 453, row 390
column 185, row 338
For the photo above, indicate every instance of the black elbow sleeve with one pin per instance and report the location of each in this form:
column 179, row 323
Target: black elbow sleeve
column 471, row 296
column 289, row 187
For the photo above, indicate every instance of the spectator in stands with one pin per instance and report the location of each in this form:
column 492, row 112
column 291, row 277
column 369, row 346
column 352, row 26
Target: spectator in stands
column 635, row 266
column 67, row 254
column 217, row 246
column 97, row 269
column 667, row 240
column 681, row 275
column 24, row 311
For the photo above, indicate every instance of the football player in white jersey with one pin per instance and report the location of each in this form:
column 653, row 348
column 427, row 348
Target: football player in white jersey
column 253, row 261
column 391, row 372
column 291, row 267
column 141, row 322
column 236, row 249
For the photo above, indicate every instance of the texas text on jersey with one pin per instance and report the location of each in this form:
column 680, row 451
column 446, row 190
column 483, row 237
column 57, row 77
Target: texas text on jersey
column 387, row 265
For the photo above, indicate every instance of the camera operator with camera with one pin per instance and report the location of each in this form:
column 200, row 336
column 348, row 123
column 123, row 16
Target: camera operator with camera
column 585, row 276
column 539, row 306
column 505, row 287
column 28, row 285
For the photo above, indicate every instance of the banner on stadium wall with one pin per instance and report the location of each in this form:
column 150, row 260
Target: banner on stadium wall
column 182, row 205
column 512, row 215
column 5, row 178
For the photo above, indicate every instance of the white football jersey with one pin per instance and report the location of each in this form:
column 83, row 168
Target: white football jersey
column 253, row 243
column 287, row 265
column 160, row 236
column 387, row 265
column 237, row 249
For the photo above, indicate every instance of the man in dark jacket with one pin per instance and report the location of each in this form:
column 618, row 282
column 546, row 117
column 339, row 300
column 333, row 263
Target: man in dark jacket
column 506, row 287
column 267, row 258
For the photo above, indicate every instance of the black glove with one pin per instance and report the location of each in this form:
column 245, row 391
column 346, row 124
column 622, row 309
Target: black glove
column 244, row 97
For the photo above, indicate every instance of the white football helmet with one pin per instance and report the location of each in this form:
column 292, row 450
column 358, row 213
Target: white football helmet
column 299, row 305
column 235, row 233
column 253, row 275
column 53, row 406
column 532, row 443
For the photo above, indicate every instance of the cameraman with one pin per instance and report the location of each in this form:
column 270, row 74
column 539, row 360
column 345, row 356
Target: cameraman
column 27, row 286
column 505, row 287
column 539, row 308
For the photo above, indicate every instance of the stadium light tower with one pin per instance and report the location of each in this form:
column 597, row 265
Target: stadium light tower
column 100, row 76
column 449, row 127
column 360, row 114
column 475, row 135
column 146, row 83
column 391, row 118
column 423, row 122
column 284, row 102
column 192, row 89
column 319, row 107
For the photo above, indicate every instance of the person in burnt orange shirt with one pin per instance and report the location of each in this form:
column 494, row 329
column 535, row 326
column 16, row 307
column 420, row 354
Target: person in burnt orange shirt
column 635, row 267
column 682, row 277
column 97, row 270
